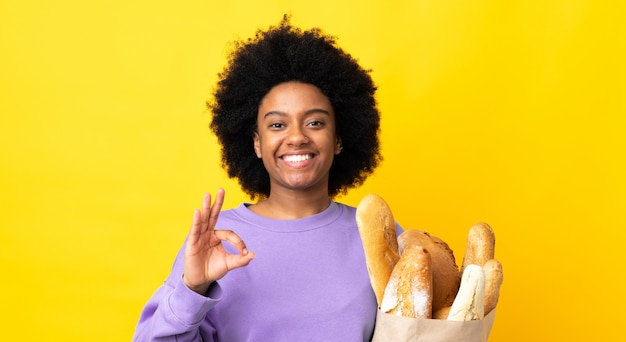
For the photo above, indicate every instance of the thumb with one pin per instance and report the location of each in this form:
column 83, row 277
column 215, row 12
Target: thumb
column 240, row 260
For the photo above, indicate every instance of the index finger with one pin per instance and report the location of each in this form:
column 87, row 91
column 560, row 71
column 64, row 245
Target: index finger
column 233, row 239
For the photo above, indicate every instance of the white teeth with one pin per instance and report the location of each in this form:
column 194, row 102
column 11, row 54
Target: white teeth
column 296, row 158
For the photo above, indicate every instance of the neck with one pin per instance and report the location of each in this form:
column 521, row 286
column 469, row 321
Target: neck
column 290, row 205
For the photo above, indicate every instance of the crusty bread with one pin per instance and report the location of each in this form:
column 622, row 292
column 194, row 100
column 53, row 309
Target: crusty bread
column 480, row 246
column 410, row 287
column 493, row 281
column 442, row 313
column 469, row 303
column 377, row 229
column 445, row 271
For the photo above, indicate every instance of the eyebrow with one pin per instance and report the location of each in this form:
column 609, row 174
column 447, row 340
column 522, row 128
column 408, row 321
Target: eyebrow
column 308, row 112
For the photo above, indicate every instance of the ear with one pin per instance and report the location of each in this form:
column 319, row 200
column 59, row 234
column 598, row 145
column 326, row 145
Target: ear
column 257, row 144
column 338, row 145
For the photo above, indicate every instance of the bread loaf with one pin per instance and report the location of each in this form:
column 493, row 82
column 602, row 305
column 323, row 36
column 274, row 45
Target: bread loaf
column 377, row 229
column 469, row 303
column 480, row 246
column 493, row 281
column 442, row 313
column 410, row 287
column 445, row 271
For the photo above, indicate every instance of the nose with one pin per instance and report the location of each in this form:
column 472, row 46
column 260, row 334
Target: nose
column 296, row 136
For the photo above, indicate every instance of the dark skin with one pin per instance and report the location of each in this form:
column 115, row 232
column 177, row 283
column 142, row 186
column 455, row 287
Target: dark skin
column 206, row 260
column 297, row 141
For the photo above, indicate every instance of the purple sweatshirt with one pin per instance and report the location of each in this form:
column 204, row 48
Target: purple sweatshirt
column 307, row 282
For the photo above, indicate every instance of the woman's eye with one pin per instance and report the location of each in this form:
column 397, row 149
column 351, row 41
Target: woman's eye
column 316, row 123
column 276, row 125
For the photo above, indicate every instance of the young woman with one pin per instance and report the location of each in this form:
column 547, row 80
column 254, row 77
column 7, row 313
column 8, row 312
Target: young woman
column 297, row 122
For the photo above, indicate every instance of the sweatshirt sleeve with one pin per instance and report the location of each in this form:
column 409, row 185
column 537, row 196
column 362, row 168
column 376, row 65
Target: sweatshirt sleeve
column 176, row 313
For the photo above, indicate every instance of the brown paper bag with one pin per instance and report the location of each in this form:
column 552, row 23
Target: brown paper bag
column 392, row 328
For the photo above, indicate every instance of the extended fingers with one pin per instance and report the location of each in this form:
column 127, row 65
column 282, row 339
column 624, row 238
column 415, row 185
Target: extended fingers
column 196, row 226
column 210, row 213
column 206, row 209
column 216, row 208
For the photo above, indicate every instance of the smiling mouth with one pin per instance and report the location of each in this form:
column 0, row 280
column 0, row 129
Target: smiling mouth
column 297, row 158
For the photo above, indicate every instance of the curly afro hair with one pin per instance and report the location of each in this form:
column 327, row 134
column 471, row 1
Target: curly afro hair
column 285, row 53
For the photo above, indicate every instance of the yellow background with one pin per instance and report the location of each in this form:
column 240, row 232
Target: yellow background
column 509, row 112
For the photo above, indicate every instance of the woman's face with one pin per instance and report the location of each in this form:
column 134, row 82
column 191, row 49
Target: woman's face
column 296, row 137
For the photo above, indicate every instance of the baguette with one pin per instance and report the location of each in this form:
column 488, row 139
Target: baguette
column 377, row 229
column 480, row 246
column 410, row 287
column 493, row 281
column 442, row 313
column 469, row 303
column 445, row 271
